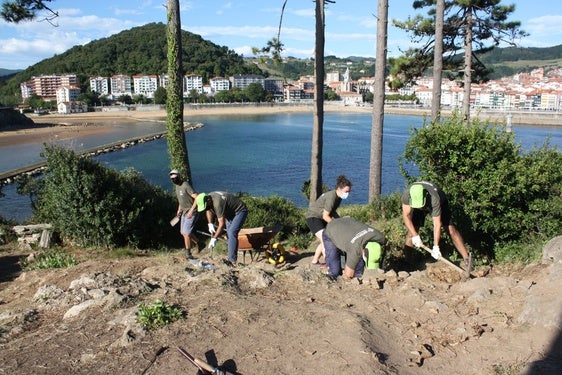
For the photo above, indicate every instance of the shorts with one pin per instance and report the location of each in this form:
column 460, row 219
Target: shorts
column 187, row 225
column 315, row 224
column 418, row 216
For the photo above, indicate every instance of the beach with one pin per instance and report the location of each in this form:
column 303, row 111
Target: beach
column 58, row 126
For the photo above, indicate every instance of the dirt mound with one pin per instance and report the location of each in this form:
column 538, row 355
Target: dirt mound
column 261, row 319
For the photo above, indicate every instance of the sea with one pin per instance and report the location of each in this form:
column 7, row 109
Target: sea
column 262, row 155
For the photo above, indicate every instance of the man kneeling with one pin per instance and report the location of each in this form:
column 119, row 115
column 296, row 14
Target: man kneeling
column 357, row 240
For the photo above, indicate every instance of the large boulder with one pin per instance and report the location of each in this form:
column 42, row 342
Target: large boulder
column 552, row 251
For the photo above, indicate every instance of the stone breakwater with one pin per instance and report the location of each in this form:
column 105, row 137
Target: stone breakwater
column 11, row 177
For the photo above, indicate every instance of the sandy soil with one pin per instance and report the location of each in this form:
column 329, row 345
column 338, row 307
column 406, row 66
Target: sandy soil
column 264, row 319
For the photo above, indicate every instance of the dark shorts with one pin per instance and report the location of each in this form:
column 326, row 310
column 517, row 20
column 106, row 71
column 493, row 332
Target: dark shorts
column 418, row 216
column 315, row 224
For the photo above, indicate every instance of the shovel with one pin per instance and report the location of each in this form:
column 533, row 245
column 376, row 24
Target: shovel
column 466, row 274
column 203, row 366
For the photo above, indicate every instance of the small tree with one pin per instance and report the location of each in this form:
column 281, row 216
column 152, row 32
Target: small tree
column 471, row 27
column 499, row 194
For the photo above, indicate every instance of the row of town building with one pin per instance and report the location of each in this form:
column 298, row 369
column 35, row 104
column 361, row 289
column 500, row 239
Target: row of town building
column 535, row 90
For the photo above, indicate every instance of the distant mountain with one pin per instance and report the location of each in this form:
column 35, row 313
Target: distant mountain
column 503, row 61
column 140, row 50
column 8, row 72
column 512, row 60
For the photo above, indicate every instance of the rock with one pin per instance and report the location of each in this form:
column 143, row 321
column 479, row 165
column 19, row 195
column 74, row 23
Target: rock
column 552, row 251
column 76, row 310
column 544, row 302
column 82, row 282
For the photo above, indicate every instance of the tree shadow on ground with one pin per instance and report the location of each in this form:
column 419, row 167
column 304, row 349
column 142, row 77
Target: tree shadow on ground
column 551, row 363
column 10, row 267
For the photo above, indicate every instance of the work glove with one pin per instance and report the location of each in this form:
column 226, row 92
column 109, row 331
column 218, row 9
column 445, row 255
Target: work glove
column 212, row 243
column 436, row 252
column 212, row 229
column 416, row 240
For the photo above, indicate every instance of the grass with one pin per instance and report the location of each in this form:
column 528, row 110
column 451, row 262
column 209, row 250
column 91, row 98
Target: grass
column 55, row 258
column 157, row 314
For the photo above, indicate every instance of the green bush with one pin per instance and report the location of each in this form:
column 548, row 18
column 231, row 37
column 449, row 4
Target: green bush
column 499, row 194
column 157, row 314
column 49, row 259
column 274, row 210
column 92, row 205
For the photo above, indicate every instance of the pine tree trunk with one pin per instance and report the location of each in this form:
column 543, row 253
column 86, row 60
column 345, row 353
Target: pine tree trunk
column 467, row 67
column 375, row 178
column 437, row 61
column 177, row 149
column 318, row 121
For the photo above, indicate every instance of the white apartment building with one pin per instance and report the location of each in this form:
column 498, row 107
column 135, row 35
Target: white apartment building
column 192, row 82
column 99, row 85
column 244, row 80
column 274, row 85
column 120, row 85
column 72, row 107
column 145, row 85
column 163, row 80
column 333, row 77
column 46, row 86
column 67, row 94
column 219, row 84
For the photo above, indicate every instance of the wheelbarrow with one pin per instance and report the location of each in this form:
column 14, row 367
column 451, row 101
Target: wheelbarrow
column 256, row 240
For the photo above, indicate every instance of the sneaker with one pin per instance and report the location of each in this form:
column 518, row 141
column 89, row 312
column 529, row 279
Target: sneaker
column 320, row 265
column 188, row 254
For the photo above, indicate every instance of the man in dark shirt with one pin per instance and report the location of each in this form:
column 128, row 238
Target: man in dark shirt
column 357, row 240
column 420, row 199
column 231, row 214
column 186, row 210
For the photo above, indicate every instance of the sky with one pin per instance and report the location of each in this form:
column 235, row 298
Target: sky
column 243, row 24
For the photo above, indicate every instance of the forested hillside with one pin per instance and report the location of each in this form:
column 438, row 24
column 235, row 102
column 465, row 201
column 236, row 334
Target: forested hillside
column 140, row 50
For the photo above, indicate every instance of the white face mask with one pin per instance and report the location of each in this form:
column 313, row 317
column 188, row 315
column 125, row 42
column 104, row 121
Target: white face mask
column 344, row 195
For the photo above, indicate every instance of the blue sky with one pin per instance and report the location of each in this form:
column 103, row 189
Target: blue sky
column 243, row 24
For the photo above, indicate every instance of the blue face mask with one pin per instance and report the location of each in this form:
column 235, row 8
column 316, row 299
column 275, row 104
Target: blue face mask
column 344, row 195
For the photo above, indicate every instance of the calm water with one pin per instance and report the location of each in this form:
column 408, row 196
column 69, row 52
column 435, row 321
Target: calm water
column 263, row 154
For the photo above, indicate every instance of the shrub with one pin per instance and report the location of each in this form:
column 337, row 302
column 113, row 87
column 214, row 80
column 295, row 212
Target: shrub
column 95, row 206
column 274, row 210
column 49, row 259
column 157, row 314
column 499, row 195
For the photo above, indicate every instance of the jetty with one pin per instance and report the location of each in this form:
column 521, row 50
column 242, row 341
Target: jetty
column 11, row 176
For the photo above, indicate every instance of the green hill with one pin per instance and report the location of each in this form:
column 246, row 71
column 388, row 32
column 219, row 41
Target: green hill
column 140, row 50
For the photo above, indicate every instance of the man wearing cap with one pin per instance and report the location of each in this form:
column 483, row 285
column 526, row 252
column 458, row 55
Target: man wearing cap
column 360, row 243
column 420, row 199
column 186, row 210
column 231, row 214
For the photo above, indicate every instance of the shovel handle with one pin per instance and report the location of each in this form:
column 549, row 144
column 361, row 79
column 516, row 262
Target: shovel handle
column 445, row 260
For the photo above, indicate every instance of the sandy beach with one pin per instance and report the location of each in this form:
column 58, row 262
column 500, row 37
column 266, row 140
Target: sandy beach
column 54, row 126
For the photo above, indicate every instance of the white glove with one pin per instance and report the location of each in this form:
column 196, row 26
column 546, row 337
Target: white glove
column 212, row 229
column 436, row 252
column 212, row 243
column 416, row 240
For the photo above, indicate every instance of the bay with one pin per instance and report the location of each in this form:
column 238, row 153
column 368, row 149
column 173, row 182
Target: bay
column 263, row 155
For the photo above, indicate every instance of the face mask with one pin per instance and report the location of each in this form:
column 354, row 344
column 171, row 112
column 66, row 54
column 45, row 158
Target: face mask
column 176, row 180
column 344, row 195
